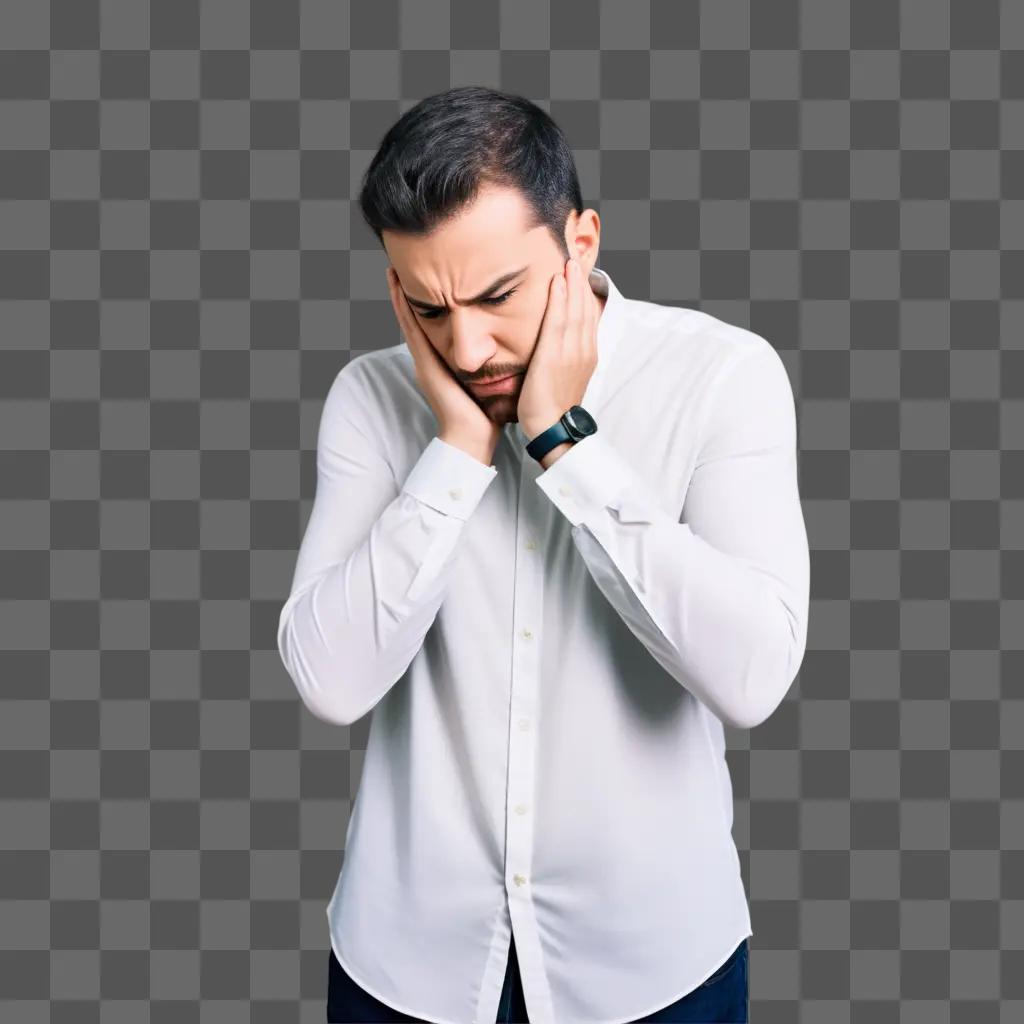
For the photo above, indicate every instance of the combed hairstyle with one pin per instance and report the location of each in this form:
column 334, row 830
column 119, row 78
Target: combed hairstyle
column 436, row 157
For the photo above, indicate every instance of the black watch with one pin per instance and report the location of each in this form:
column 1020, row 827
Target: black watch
column 573, row 426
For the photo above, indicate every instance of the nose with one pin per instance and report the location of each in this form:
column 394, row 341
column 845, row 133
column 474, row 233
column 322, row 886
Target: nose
column 471, row 344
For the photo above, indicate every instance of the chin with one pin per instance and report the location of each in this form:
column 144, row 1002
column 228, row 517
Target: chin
column 502, row 412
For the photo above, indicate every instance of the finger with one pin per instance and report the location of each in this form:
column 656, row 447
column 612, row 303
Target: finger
column 589, row 312
column 391, row 287
column 396, row 305
column 394, row 289
column 401, row 307
column 590, row 318
column 554, row 311
column 574, row 303
column 423, row 352
column 553, row 327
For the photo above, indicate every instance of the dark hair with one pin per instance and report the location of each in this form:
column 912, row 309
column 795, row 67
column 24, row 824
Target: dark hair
column 435, row 158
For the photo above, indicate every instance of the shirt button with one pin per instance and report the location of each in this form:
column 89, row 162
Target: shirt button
column 519, row 879
column 565, row 491
column 524, row 723
column 530, row 545
column 456, row 493
column 520, row 808
column 527, row 634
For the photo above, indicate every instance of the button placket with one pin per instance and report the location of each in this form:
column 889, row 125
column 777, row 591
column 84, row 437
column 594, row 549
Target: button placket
column 526, row 665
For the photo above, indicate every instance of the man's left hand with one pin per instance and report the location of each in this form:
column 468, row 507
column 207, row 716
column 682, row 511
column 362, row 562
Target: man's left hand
column 565, row 355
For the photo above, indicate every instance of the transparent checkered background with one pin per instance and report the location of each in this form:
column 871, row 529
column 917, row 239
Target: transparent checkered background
column 182, row 272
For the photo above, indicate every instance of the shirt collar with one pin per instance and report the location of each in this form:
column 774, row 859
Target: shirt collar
column 610, row 328
column 609, row 332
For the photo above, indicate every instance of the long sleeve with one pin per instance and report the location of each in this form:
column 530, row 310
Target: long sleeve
column 720, row 597
column 375, row 559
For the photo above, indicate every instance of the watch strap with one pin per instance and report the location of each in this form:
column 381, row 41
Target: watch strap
column 548, row 439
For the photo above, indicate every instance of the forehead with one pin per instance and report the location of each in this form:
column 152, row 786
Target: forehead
column 467, row 252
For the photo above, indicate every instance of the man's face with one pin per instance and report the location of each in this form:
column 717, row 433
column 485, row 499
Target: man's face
column 485, row 333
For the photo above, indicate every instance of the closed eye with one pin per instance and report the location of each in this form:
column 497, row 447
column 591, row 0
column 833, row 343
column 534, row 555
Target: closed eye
column 496, row 301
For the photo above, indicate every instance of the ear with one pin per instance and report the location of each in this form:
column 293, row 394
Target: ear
column 585, row 241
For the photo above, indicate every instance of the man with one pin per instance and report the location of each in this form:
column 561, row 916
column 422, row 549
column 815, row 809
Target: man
column 552, row 594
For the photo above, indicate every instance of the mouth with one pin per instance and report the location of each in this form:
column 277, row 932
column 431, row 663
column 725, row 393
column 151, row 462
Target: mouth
column 499, row 386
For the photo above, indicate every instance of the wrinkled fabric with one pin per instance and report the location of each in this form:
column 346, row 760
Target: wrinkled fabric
column 549, row 658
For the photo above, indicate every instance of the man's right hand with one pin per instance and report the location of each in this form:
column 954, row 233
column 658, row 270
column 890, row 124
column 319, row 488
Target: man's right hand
column 460, row 419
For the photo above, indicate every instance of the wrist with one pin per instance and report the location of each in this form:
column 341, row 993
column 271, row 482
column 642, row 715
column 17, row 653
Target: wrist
column 556, row 453
column 533, row 428
column 481, row 451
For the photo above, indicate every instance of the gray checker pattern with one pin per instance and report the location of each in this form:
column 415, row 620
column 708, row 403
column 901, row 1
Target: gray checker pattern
column 182, row 272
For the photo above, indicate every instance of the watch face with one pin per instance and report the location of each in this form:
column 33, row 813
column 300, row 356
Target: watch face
column 579, row 422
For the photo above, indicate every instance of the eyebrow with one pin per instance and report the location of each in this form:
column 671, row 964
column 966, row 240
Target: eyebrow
column 485, row 294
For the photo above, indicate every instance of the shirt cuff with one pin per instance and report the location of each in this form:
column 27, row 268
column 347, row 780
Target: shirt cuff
column 591, row 476
column 449, row 479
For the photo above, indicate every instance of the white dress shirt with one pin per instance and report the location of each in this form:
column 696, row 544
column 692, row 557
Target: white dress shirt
column 549, row 657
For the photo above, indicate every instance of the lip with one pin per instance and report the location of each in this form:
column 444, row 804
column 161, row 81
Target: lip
column 496, row 387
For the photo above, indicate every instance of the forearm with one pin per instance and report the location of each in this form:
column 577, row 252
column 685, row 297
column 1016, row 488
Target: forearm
column 351, row 634
column 371, row 575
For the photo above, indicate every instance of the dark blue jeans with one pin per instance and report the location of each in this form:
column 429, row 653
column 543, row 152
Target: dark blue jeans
column 722, row 998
